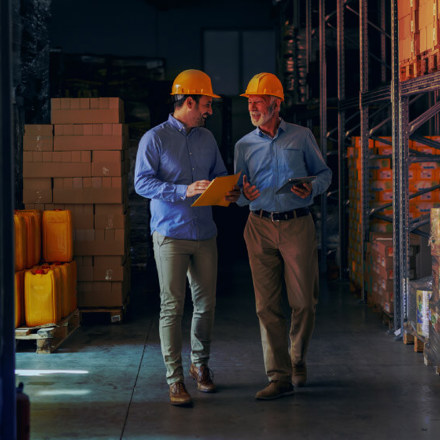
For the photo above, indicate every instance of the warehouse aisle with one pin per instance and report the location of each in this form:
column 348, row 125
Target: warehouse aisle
column 107, row 381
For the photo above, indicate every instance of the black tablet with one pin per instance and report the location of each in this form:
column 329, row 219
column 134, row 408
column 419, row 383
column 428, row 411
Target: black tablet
column 285, row 189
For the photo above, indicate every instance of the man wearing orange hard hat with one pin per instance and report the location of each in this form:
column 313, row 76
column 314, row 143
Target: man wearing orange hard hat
column 175, row 163
column 280, row 233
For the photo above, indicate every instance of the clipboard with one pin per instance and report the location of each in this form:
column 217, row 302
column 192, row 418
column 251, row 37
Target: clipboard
column 285, row 189
column 216, row 191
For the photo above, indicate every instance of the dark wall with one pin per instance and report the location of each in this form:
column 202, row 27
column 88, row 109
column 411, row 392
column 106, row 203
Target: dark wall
column 139, row 28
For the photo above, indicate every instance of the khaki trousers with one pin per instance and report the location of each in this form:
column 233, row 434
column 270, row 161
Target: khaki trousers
column 283, row 250
column 176, row 260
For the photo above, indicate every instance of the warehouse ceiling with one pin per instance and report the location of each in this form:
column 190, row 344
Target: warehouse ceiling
column 165, row 5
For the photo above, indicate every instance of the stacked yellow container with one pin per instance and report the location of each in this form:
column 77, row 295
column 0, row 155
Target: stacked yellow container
column 44, row 293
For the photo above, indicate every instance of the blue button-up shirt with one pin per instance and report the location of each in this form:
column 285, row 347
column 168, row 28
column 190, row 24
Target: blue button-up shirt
column 168, row 160
column 269, row 162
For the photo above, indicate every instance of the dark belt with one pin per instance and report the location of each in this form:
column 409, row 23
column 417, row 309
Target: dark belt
column 287, row 215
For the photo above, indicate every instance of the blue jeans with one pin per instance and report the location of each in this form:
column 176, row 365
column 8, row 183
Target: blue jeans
column 176, row 260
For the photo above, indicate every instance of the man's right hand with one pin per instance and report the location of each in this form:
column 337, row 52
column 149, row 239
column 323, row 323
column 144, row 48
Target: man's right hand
column 250, row 191
column 197, row 187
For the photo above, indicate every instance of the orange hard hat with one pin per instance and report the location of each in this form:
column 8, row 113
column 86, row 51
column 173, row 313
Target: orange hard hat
column 193, row 82
column 265, row 84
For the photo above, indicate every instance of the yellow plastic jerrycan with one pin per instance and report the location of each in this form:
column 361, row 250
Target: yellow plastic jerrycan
column 33, row 239
column 62, row 272
column 42, row 303
column 34, row 235
column 57, row 236
column 19, row 298
column 20, row 242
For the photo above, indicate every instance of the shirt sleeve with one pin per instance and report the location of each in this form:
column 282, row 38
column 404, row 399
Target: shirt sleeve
column 316, row 166
column 240, row 165
column 146, row 183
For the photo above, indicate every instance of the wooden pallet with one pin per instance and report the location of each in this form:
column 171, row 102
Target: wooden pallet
column 429, row 61
column 113, row 314
column 409, row 338
column 50, row 336
column 410, row 69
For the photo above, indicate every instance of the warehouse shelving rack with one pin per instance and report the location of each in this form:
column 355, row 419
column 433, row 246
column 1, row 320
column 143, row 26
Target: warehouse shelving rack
column 399, row 96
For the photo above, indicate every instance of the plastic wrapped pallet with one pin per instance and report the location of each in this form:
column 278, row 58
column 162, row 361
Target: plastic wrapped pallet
column 432, row 348
column 419, row 294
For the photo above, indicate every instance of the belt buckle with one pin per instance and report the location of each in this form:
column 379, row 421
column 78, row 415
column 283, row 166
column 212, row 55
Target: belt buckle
column 271, row 217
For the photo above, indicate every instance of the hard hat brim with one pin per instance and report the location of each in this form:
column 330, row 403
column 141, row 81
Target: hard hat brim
column 211, row 95
column 246, row 95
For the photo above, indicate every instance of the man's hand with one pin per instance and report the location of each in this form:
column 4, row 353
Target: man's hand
column 233, row 195
column 303, row 190
column 197, row 187
column 250, row 191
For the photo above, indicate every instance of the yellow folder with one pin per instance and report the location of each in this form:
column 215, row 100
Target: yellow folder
column 216, row 191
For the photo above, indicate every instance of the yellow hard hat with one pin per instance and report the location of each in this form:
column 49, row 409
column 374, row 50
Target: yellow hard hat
column 265, row 84
column 193, row 82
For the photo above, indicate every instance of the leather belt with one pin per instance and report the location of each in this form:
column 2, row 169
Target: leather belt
column 287, row 215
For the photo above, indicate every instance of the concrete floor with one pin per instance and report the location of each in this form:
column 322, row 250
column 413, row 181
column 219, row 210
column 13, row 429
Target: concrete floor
column 107, row 381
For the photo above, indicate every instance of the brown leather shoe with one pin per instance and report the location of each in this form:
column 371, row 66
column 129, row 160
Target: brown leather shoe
column 275, row 390
column 203, row 376
column 299, row 375
column 178, row 394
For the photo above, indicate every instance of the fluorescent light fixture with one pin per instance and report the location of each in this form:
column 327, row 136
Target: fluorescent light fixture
column 45, row 372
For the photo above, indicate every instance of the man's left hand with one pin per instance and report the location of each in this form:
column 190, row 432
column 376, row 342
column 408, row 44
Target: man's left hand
column 303, row 190
column 232, row 196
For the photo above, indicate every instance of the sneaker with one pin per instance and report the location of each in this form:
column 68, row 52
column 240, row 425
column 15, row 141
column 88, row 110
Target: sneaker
column 274, row 390
column 178, row 394
column 203, row 376
column 299, row 375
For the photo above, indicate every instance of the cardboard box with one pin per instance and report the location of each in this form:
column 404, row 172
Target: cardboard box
column 102, row 294
column 108, row 163
column 110, row 268
column 86, row 110
column 110, row 217
column 37, row 143
column 54, row 169
column 37, row 191
column 100, row 242
column 90, row 190
column 38, row 130
column 103, row 268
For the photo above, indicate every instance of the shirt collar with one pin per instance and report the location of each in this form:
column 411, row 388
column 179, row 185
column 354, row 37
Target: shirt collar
column 281, row 128
column 176, row 124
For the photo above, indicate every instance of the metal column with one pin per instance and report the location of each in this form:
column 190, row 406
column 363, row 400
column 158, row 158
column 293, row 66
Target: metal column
column 323, row 127
column 7, row 336
column 343, row 242
column 363, row 41
column 400, row 180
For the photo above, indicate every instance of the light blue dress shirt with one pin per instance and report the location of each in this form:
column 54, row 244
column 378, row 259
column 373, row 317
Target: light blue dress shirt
column 168, row 160
column 269, row 162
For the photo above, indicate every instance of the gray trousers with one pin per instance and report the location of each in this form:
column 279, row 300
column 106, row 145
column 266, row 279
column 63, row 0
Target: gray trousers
column 284, row 250
column 176, row 260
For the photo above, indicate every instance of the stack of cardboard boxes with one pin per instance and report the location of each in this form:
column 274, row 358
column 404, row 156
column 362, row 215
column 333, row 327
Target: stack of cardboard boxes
column 419, row 38
column 432, row 349
column 79, row 163
column 378, row 252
